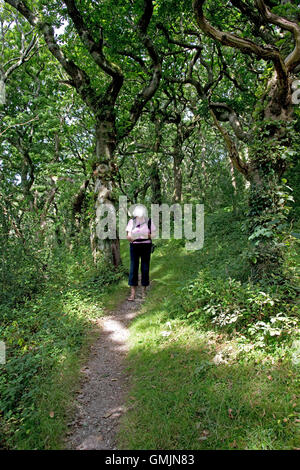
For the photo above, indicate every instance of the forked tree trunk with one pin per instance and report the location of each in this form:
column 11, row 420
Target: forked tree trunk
column 103, row 106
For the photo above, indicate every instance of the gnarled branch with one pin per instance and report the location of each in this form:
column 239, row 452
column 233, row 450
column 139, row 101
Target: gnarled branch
column 79, row 78
column 230, row 115
column 246, row 46
column 232, row 149
column 149, row 90
column 293, row 59
column 95, row 49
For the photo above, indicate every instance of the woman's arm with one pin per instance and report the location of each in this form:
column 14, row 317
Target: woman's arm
column 152, row 232
column 151, row 235
column 129, row 230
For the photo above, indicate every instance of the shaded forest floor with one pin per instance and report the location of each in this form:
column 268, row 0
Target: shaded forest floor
column 191, row 383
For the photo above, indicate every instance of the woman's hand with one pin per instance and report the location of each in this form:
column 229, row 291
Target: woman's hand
column 151, row 235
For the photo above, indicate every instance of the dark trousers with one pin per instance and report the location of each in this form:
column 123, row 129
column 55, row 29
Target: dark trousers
column 137, row 251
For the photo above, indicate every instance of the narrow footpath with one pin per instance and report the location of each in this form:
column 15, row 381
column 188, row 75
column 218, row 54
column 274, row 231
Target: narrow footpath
column 100, row 402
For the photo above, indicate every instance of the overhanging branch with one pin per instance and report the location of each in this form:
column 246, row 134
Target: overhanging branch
column 149, row 90
column 231, row 116
column 96, row 50
column 293, row 59
column 79, row 78
column 246, row 46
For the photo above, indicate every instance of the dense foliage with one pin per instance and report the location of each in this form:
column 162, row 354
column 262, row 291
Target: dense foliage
column 163, row 102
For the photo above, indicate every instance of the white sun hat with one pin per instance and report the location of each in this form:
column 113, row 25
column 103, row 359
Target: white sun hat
column 139, row 211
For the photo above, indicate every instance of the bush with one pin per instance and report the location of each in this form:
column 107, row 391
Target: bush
column 266, row 316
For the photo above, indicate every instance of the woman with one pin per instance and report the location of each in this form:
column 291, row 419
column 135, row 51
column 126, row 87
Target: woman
column 140, row 237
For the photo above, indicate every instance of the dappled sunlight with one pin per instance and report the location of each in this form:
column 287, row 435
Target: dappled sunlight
column 130, row 315
column 117, row 333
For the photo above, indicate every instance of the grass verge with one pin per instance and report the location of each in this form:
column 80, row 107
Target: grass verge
column 194, row 385
column 47, row 339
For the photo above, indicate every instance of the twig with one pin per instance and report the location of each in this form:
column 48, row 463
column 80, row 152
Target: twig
column 19, row 124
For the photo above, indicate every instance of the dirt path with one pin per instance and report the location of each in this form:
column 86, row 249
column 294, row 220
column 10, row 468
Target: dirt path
column 100, row 402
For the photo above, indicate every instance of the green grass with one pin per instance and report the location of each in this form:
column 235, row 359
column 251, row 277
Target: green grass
column 181, row 399
column 48, row 338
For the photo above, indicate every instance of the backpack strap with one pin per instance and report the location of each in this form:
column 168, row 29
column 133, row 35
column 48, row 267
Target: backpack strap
column 134, row 224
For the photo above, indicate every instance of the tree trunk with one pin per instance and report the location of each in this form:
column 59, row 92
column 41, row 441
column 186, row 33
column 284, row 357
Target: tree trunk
column 234, row 187
column 266, row 215
column 268, row 196
column 271, row 141
column 77, row 207
column 155, row 184
column 104, row 172
column 177, row 172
